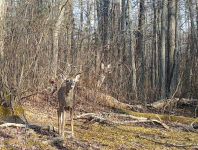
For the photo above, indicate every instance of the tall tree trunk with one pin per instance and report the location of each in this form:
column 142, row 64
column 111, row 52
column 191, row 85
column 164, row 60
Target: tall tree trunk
column 193, row 46
column 132, row 51
column 81, row 15
column 140, row 49
column 103, row 14
column 197, row 17
column 72, row 51
column 2, row 27
column 171, row 44
column 175, row 77
column 56, row 32
column 158, row 52
column 154, row 47
column 163, row 49
column 193, row 28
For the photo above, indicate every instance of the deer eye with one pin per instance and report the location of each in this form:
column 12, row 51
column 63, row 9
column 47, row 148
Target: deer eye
column 67, row 81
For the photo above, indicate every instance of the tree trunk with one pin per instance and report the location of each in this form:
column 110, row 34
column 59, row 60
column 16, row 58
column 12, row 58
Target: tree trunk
column 103, row 14
column 163, row 49
column 197, row 20
column 132, row 52
column 2, row 27
column 56, row 33
column 175, row 77
column 171, row 44
column 140, row 49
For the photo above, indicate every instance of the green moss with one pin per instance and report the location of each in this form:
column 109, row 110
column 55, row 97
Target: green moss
column 6, row 112
column 18, row 110
column 171, row 118
column 129, row 137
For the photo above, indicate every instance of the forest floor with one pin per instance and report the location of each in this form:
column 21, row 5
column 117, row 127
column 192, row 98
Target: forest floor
column 93, row 135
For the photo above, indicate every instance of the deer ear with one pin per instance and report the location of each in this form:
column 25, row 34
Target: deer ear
column 77, row 78
column 102, row 66
column 109, row 66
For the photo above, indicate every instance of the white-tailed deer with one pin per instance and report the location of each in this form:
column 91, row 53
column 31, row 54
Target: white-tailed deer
column 66, row 97
column 93, row 79
column 105, row 70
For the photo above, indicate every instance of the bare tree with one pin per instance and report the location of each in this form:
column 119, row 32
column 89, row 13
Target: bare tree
column 140, row 48
column 2, row 27
column 163, row 49
column 171, row 47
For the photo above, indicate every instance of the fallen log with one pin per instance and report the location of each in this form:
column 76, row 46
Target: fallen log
column 173, row 103
column 109, row 101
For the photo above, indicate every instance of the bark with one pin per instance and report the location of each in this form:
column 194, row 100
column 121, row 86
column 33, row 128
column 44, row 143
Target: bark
column 81, row 15
column 103, row 14
column 193, row 28
column 197, row 18
column 175, row 79
column 132, row 53
column 140, row 49
column 2, row 27
column 163, row 49
column 56, row 32
column 171, row 44
column 154, row 47
column 70, row 33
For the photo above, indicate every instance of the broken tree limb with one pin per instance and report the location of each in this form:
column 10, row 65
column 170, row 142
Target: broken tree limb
column 142, row 121
column 94, row 117
column 29, row 127
column 171, row 103
column 105, row 118
column 138, row 119
column 12, row 125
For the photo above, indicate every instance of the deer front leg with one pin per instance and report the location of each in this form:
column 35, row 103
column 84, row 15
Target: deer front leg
column 62, row 122
column 59, row 119
column 72, row 121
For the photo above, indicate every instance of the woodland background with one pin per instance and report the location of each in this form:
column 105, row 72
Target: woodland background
column 152, row 45
column 138, row 61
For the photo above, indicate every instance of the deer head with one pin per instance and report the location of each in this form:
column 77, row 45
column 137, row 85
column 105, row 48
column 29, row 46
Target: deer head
column 72, row 81
column 65, row 77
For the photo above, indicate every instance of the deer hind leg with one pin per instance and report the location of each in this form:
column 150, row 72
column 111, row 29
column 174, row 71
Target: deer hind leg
column 72, row 121
column 62, row 122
